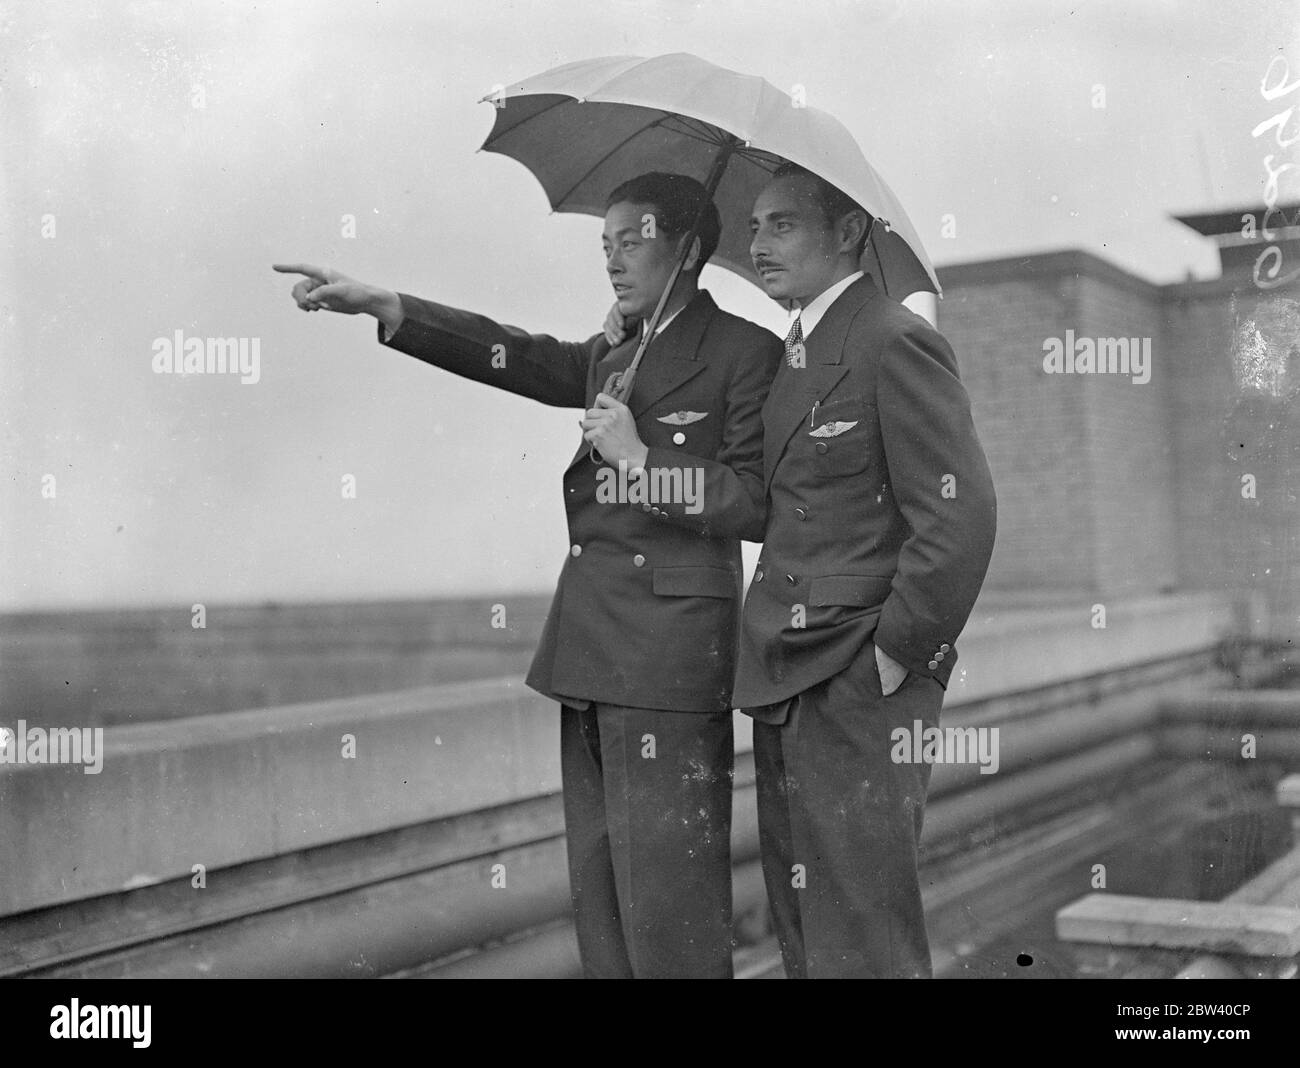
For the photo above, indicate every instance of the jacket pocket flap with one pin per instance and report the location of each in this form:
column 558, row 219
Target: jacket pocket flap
column 695, row 582
column 857, row 591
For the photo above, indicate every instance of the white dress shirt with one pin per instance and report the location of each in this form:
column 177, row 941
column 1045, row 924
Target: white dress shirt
column 811, row 313
column 662, row 322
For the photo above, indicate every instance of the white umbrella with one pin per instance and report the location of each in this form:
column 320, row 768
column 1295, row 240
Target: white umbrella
column 584, row 128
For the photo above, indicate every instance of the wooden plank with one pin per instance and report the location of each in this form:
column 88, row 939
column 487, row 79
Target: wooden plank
column 1221, row 927
column 1278, row 885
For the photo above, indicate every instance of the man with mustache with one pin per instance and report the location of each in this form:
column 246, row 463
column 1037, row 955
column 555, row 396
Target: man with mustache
column 880, row 525
column 640, row 643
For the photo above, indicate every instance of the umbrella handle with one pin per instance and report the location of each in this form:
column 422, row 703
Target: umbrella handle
column 614, row 388
column 871, row 240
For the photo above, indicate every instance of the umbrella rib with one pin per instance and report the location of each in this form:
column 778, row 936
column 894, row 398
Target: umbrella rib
column 761, row 157
column 694, row 127
column 564, row 99
column 704, row 131
column 758, row 103
column 595, row 166
column 707, row 131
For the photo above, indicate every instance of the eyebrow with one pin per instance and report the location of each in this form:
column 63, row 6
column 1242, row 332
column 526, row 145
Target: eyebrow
column 775, row 216
column 625, row 230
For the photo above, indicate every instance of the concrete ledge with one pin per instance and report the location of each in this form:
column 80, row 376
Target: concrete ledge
column 954, row 815
column 1038, row 266
column 1056, row 731
column 229, row 788
column 1004, row 650
column 223, row 789
column 364, row 933
column 1116, row 919
column 128, row 925
column 1278, row 884
column 1238, row 708
column 1288, row 796
column 1218, row 742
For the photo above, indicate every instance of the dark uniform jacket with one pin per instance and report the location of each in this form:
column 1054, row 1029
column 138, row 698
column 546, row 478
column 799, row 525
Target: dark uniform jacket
column 648, row 602
column 881, row 507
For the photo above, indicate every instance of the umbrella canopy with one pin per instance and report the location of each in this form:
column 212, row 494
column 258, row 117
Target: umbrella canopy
column 585, row 128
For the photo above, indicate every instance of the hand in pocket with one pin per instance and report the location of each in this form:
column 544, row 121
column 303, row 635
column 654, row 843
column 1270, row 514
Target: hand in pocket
column 892, row 673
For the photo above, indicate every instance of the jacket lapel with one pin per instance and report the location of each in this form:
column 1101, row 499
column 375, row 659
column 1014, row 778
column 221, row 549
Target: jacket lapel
column 673, row 357
column 797, row 389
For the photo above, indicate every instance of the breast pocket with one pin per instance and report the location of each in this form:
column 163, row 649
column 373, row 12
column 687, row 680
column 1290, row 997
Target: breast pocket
column 838, row 436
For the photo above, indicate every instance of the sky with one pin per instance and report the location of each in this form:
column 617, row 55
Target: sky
column 157, row 158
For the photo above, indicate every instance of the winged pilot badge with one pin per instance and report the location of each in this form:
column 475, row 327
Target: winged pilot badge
column 682, row 418
column 833, row 429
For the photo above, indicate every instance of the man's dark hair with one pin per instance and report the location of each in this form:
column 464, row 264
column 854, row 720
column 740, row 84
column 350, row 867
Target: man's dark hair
column 676, row 200
column 834, row 202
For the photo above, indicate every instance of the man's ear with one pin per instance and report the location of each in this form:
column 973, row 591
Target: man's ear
column 693, row 256
column 852, row 229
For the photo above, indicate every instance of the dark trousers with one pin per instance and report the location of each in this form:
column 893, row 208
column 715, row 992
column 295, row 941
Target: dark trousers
column 647, row 813
column 839, row 824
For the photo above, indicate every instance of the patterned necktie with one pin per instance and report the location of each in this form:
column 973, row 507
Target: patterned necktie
column 794, row 350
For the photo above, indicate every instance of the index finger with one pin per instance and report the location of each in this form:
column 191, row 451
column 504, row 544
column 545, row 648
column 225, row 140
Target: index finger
column 604, row 400
column 300, row 268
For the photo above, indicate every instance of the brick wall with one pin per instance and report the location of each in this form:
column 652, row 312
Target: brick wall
column 1130, row 452
column 1207, row 501
column 1105, row 486
column 1032, row 431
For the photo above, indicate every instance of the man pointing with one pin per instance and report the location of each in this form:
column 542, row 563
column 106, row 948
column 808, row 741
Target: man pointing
column 640, row 643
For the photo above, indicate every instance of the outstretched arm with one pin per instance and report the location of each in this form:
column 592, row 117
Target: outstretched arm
column 473, row 346
column 324, row 287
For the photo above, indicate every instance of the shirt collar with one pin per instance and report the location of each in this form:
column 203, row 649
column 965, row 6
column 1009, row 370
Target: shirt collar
column 664, row 322
column 811, row 314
